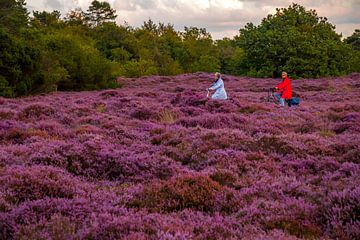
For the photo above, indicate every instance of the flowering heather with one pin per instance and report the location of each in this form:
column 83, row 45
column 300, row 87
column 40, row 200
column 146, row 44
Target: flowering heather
column 157, row 160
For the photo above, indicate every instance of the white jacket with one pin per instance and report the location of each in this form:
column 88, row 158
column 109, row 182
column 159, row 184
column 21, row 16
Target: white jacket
column 219, row 88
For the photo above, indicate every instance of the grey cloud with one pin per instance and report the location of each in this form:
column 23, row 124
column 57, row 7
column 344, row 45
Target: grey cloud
column 55, row 4
column 133, row 5
column 124, row 5
column 61, row 5
column 145, row 4
column 171, row 3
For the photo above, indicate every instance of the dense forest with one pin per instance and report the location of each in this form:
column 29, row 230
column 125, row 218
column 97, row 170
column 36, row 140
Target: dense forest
column 85, row 50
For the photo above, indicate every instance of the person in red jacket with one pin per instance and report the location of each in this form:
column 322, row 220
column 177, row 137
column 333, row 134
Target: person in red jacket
column 284, row 90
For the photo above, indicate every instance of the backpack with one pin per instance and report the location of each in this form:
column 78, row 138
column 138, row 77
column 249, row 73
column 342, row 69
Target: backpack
column 294, row 101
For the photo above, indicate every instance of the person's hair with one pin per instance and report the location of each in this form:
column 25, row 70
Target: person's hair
column 217, row 74
column 284, row 73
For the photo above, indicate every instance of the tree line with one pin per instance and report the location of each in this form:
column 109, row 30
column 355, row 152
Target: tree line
column 87, row 50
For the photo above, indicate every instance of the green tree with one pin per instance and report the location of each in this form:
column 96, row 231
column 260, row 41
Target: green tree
column 18, row 65
column 156, row 43
column 13, row 15
column 99, row 13
column 295, row 40
column 207, row 64
column 117, row 43
column 231, row 56
column 86, row 68
column 197, row 42
column 135, row 68
column 354, row 40
column 76, row 17
column 46, row 19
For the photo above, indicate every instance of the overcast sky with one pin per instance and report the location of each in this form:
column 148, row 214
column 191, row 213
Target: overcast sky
column 222, row 18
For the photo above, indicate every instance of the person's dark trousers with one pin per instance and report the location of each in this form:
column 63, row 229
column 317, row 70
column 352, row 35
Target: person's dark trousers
column 288, row 102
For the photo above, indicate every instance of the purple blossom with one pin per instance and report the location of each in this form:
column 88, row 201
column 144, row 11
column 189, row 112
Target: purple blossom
column 156, row 159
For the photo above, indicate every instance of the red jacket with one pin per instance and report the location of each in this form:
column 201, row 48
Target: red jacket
column 285, row 88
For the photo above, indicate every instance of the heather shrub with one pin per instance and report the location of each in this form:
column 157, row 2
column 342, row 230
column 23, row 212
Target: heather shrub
column 31, row 183
column 341, row 148
column 15, row 135
column 181, row 153
column 182, row 225
column 348, row 124
column 229, row 159
column 4, row 204
column 157, row 160
column 80, row 111
column 250, row 109
column 195, row 192
column 142, row 113
column 71, row 156
column 118, row 131
column 352, row 117
column 38, row 133
column 312, row 88
column 307, row 127
column 58, row 227
column 109, row 94
column 335, row 116
column 6, row 228
column 213, row 121
column 91, row 119
column 33, row 212
column 168, row 138
column 191, row 111
column 147, row 94
column 88, row 129
column 217, row 140
column 352, row 155
column 96, row 159
column 295, row 227
column 7, row 114
column 216, row 106
column 254, row 156
column 36, row 112
column 54, row 129
column 347, row 107
column 273, row 144
column 189, row 98
column 340, row 213
column 294, row 216
column 341, row 128
column 197, row 153
column 113, row 227
column 19, row 133
column 224, row 178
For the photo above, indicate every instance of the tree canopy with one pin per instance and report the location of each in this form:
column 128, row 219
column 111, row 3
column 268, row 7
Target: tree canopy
column 354, row 40
column 13, row 15
column 88, row 50
column 99, row 13
column 295, row 40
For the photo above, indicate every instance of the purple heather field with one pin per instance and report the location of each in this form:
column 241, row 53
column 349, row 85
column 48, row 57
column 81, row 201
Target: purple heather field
column 155, row 159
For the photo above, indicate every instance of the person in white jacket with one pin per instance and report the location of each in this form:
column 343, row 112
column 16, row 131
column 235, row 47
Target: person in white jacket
column 218, row 87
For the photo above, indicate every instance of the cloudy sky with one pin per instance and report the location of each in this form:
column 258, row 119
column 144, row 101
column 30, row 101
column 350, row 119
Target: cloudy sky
column 222, row 18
